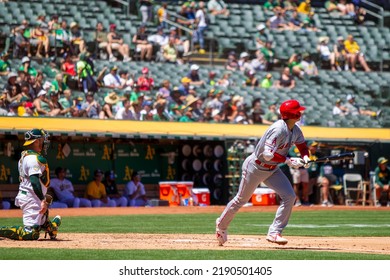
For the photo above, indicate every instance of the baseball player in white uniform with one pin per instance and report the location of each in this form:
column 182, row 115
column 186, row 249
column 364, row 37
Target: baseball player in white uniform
column 32, row 198
column 262, row 166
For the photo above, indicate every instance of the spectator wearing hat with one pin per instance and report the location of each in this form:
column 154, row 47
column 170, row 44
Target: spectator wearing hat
column 286, row 80
column 109, row 101
column 96, row 192
column 43, row 105
column 112, row 79
column 91, row 107
column 382, row 181
column 261, row 36
column 185, row 86
column 218, row 7
column 5, row 66
column 232, row 62
column 27, row 68
column 354, row 54
column 325, row 53
column 142, row 45
column 308, row 66
column 135, row 191
column 201, row 26
column 115, row 42
column 145, row 82
column 194, row 76
column 22, row 44
column 216, row 102
column 76, row 39
column 160, row 112
column 40, row 39
column 309, row 22
column 77, row 110
column 146, row 113
column 354, row 109
column 339, row 109
column 12, row 84
column 195, row 104
column 26, row 108
column 245, row 63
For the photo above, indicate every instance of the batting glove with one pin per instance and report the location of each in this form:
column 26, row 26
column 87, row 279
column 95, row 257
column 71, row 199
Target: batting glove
column 306, row 162
column 294, row 162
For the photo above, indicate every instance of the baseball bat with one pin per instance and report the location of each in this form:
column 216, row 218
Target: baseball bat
column 341, row 156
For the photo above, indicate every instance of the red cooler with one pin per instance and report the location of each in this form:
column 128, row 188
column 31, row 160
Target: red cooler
column 203, row 195
column 263, row 197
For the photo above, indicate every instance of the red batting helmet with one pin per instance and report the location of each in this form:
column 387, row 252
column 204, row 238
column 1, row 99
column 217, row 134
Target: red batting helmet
column 291, row 109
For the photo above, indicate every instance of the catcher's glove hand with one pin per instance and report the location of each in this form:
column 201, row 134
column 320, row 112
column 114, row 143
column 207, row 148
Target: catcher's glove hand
column 48, row 199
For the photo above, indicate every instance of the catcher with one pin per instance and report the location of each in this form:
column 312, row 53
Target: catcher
column 32, row 197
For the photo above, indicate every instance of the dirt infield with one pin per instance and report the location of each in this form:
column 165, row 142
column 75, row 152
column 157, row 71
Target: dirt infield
column 370, row 245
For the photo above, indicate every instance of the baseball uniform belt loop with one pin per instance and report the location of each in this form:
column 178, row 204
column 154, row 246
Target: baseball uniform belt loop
column 270, row 166
column 23, row 192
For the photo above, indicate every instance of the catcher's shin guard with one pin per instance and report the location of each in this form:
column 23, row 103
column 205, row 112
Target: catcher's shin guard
column 51, row 227
column 20, row 232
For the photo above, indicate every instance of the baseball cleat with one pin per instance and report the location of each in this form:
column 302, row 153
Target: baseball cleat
column 220, row 234
column 56, row 222
column 276, row 238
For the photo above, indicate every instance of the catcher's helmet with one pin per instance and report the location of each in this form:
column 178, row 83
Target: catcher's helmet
column 291, row 109
column 34, row 134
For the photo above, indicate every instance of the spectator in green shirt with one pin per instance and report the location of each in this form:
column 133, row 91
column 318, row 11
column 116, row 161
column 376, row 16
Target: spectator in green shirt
column 58, row 85
column 26, row 67
column 267, row 81
column 5, row 67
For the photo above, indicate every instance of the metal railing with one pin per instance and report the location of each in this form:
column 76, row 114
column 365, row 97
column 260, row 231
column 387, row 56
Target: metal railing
column 379, row 15
column 125, row 5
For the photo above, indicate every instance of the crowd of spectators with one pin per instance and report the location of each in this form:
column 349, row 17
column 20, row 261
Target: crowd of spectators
column 137, row 96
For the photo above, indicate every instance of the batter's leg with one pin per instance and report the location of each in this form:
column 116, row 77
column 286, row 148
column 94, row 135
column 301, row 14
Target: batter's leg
column 282, row 186
column 251, row 177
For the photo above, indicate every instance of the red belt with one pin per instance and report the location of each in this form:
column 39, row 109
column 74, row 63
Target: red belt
column 270, row 166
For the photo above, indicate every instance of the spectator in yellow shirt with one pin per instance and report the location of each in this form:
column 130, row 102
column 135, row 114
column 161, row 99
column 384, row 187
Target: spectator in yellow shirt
column 304, row 7
column 354, row 54
column 162, row 15
column 96, row 192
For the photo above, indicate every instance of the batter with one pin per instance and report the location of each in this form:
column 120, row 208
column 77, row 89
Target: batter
column 262, row 166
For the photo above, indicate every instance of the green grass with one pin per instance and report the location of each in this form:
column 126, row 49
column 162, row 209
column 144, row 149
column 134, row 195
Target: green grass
column 308, row 223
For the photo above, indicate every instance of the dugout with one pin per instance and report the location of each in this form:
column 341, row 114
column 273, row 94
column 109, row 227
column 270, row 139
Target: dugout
column 166, row 151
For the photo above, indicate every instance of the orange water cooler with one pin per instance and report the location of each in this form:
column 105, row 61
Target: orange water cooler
column 168, row 191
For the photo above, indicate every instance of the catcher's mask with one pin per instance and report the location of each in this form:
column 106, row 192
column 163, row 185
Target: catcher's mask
column 34, row 134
